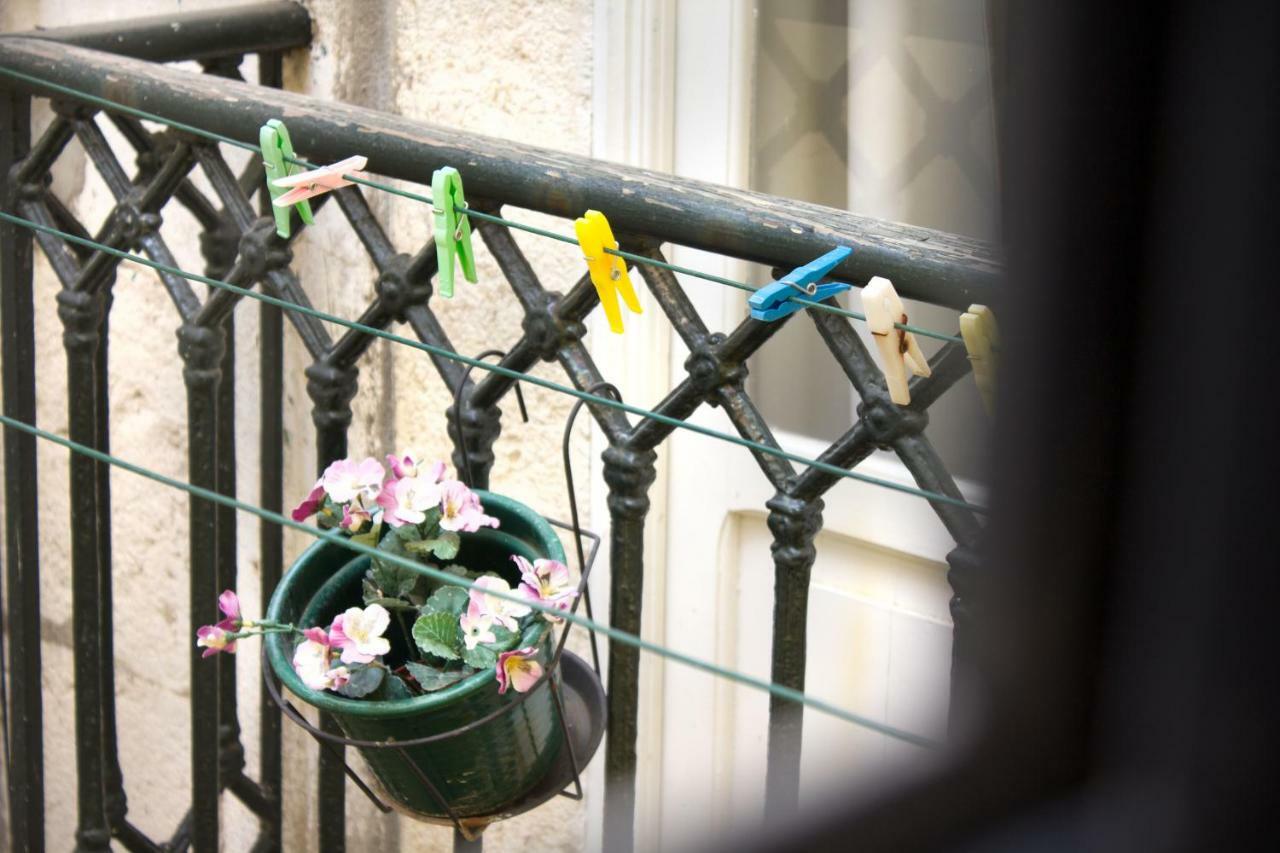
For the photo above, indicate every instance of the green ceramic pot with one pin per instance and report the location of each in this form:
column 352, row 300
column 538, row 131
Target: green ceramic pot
column 479, row 771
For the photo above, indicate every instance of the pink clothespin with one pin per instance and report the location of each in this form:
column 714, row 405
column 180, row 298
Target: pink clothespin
column 305, row 185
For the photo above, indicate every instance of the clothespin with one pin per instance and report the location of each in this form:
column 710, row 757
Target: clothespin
column 773, row 301
column 898, row 347
column 453, row 231
column 981, row 337
column 608, row 272
column 314, row 182
column 277, row 154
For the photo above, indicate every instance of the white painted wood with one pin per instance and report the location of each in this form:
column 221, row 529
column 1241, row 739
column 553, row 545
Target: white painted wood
column 879, row 640
column 632, row 114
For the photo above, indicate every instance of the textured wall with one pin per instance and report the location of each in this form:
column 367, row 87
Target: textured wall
column 530, row 81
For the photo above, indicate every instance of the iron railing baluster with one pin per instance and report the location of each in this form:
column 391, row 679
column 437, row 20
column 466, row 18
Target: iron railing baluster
column 201, row 348
column 271, row 497
column 116, row 801
column 230, row 750
column 25, row 719
column 628, row 473
column 794, row 524
column 82, row 314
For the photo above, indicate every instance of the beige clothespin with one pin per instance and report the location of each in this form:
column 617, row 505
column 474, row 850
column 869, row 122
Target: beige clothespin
column 981, row 337
column 898, row 347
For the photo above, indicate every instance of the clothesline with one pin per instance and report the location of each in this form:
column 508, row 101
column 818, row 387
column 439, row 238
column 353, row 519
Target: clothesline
column 608, row 402
column 612, row 633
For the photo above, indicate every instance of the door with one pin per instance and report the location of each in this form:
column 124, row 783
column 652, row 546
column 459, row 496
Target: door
column 882, row 108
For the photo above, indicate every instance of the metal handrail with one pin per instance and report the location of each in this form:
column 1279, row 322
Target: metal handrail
column 932, row 266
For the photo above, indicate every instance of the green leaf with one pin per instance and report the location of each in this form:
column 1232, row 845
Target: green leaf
column 460, row 571
column 421, row 590
column 447, row 599
column 390, row 603
column 431, row 520
column 506, row 640
column 395, row 581
column 393, row 689
column 532, row 633
column 430, row 678
column 386, row 573
column 369, row 589
column 370, row 536
column 407, row 532
column 363, row 681
column 439, row 634
column 445, row 547
column 481, row 657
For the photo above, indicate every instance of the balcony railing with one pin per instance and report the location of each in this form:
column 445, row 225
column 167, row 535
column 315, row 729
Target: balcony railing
column 240, row 246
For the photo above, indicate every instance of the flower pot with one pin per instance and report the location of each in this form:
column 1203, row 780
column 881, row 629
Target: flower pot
column 479, row 770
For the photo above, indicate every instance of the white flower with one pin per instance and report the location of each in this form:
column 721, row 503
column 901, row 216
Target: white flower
column 359, row 633
column 501, row 610
column 413, row 496
column 477, row 627
column 311, row 662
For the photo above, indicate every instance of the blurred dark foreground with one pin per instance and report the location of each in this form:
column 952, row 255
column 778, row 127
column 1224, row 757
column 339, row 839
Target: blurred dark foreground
column 1118, row 695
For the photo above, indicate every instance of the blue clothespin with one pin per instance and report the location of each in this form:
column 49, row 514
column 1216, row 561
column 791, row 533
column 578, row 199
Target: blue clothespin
column 773, row 301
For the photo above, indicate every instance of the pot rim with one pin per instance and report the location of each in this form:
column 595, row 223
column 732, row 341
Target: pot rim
column 282, row 667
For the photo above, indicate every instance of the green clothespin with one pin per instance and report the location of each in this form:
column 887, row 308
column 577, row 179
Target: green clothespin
column 277, row 156
column 453, row 231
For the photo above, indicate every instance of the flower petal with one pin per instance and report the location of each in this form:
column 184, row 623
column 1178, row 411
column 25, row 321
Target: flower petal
column 525, row 675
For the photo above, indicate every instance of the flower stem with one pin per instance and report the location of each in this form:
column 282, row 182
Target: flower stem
column 408, row 635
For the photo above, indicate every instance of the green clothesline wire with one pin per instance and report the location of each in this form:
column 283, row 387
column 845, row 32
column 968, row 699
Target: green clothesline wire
column 542, row 232
column 436, row 574
column 493, row 368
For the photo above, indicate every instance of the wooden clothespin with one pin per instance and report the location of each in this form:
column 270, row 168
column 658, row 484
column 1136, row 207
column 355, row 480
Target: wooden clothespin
column 608, row 272
column 773, row 301
column 898, row 348
column 452, row 230
column 304, row 185
column 981, row 337
column 277, row 156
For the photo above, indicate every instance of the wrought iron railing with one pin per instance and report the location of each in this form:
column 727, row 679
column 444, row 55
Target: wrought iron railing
column 240, row 246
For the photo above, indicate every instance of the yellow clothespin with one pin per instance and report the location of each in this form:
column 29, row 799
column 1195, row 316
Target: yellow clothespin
column 981, row 337
column 898, row 347
column 608, row 272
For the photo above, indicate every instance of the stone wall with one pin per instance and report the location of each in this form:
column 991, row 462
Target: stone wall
column 532, row 82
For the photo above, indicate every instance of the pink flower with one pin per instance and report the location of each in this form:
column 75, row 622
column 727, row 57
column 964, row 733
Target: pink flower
column 546, row 581
column 406, row 466
column 354, row 516
column 317, row 635
column 338, row 676
column 406, row 501
column 337, row 638
column 346, row 480
column 518, row 669
column 311, row 504
column 359, row 633
column 477, row 626
column 461, row 510
column 500, row 610
column 229, row 604
column 214, row 639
